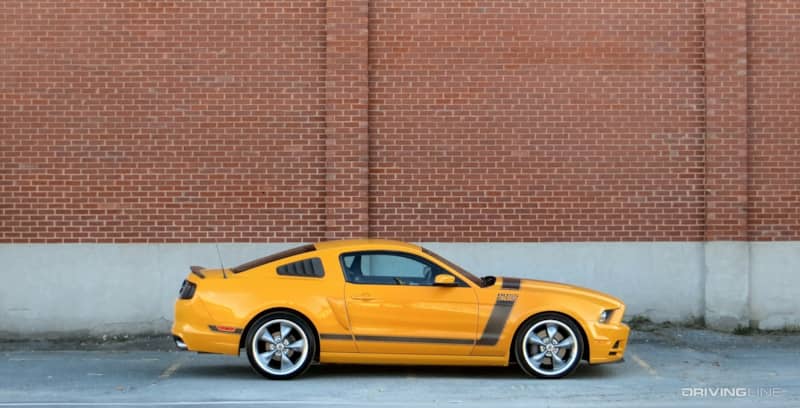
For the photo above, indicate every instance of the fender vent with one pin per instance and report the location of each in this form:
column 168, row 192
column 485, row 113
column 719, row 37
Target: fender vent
column 311, row 268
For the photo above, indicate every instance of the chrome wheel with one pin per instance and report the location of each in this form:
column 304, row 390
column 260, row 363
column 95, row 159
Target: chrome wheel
column 550, row 348
column 280, row 347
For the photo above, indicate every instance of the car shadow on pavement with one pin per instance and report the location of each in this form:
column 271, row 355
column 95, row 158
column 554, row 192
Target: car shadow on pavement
column 226, row 371
column 337, row 370
column 591, row 372
column 585, row 371
column 244, row 372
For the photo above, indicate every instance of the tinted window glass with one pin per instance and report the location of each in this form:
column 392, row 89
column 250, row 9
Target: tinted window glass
column 476, row 280
column 387, row 268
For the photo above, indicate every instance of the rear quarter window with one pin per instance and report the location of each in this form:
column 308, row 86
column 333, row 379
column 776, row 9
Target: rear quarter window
column 311, row 267
column 272, row 258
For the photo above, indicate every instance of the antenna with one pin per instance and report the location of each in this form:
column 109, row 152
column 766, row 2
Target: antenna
column 221, row 265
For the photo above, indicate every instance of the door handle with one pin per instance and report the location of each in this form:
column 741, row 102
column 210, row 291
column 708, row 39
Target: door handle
column 364, row 298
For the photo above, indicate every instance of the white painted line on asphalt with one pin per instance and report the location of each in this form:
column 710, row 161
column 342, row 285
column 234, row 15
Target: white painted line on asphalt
column 650, row 370
column 172, row 368
column 185, row 403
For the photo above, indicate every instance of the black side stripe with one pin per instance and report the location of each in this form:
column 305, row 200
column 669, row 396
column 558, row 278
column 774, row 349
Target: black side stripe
column 400, row 339
column 331, row 336
column 510, row 283
column 496, row 323
column 491, row 333
column 396, row 339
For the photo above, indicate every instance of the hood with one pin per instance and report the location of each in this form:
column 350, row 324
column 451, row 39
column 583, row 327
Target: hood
column 532, row 285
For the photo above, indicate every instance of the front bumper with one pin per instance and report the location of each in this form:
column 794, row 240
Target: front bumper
column 609, row 342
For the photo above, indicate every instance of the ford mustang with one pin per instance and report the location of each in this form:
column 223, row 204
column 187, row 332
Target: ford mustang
column 387, row 302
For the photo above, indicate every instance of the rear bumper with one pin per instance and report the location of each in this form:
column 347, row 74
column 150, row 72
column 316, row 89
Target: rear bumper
column 179, row 343
column 609, row 342
column 193, row 330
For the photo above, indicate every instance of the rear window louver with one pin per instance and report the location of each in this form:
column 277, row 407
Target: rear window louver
column 272, row 258
column 311, row 267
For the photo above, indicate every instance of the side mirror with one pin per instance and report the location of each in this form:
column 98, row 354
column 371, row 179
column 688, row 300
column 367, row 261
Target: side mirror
column 444, row 279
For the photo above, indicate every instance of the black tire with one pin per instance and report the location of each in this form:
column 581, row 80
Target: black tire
column 258, row 349
column 566, row 358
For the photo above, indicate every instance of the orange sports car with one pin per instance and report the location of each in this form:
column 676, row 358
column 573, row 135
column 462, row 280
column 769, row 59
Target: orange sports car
column 388, row 302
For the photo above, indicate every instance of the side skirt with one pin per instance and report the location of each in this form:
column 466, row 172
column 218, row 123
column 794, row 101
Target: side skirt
column 411, row 359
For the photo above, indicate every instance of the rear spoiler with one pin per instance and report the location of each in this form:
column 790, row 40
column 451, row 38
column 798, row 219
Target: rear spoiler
column 198, row 270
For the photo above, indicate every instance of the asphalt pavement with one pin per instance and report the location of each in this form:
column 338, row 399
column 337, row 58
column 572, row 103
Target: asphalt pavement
column 665, row 366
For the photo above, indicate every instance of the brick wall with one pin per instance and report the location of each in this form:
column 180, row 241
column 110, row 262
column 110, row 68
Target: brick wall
column 162, row 121
column 347, row 93
column 726, row 119
column 536, row 121
column 774, row 84
column 577, row 120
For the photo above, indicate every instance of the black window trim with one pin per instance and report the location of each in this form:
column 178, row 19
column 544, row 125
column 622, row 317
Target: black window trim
column 293, row 269
column 302, row 249
column 463, row 273
column 460, row 283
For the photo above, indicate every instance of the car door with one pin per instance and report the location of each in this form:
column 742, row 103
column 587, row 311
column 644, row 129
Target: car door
column 395, row 308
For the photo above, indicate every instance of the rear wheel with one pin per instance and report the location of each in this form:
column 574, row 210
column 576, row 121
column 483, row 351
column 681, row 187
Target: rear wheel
column 280, row 346
column 549, row 346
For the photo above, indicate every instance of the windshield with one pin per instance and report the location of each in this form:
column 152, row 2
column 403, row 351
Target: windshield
column 474, row 279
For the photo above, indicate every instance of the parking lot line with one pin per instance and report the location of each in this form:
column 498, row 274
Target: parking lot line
column 188, row 403
column 172, row 368
column 650, row 370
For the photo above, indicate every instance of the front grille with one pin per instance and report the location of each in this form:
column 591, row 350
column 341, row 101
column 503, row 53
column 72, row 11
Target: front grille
column 187, row 289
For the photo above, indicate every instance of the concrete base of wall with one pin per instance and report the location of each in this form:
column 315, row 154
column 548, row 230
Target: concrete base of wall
column 648, row 277
column 727, row 286
column 78, row 289
column 774, row 285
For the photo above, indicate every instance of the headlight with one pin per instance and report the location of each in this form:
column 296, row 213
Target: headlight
column 605, row 315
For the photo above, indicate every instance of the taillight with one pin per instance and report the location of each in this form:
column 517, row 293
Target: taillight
column 187, row 289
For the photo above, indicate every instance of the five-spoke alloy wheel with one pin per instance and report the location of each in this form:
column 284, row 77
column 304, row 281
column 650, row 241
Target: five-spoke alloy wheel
column 280, row 345
column 549, row 345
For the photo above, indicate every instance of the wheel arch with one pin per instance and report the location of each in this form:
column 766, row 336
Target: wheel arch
column 295, row 312
column 584, row 355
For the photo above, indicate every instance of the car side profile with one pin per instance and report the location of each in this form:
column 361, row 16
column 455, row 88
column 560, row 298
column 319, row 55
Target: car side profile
column 388, row 302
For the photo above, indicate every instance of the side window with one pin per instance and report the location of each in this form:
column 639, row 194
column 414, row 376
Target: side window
column 387, row 268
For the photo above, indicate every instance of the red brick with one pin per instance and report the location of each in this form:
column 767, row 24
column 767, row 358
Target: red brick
column 544, row 121
column 577, row 120
column 774, row 90
column 143, row 114
column 726, row 119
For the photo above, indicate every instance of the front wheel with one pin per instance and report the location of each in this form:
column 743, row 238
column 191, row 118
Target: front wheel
column 280, row 346
column 549, row 346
